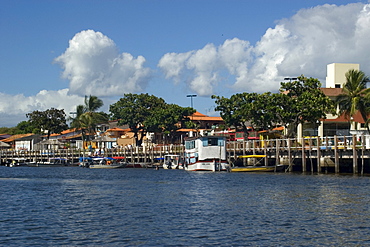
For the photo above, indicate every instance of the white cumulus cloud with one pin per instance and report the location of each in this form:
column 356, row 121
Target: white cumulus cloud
column 201, row 68
column 13, row 108
column 94, row 66
column 302, row 44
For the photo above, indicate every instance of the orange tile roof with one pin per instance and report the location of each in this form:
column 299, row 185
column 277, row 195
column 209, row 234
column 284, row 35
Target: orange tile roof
column 198, row 114
column 15, row 137
column 69, row 131
column 332, row 92
column 187, row 130
column 206, row 118
column 118, row 129
column 342, row 118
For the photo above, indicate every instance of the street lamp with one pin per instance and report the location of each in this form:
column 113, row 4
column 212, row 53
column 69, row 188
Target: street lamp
column 191, row 98
column 291, row 78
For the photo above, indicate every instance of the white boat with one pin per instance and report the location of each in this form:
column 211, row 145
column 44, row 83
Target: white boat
column 206, row 153
column 172, row 161
column 52, row 162
column 106, row 163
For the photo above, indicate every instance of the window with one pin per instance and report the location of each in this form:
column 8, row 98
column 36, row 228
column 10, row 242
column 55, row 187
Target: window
column 213, row 142
column 190, row 144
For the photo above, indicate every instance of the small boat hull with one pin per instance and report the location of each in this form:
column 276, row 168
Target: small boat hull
column 256, row 168
column 106, row 166
column 207, row 166
column 253, row 169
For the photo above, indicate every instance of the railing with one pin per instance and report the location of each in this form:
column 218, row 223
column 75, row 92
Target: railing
column 311, row 148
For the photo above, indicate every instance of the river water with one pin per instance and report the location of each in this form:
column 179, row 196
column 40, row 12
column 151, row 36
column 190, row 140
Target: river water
column 70, row 206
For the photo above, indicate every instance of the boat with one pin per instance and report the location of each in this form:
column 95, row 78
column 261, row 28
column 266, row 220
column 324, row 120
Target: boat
column 106, row 163
column 17, row 162
column 85, row 162
column 52, row 162
column 172, row 161
column 206, row 153
column 257, row 166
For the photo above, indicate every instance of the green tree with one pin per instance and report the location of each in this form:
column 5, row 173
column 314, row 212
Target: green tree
column 25, row 127
column 169, row 119
column 298, row 102
column 305, row 103
column 50, row 121
column 87, row 118
column 237, row 111
column 355, row 96
column 135, row 110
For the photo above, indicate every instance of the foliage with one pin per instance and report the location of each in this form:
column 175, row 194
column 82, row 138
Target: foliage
column 144, row 112
column 23, row 127
column 168, row 119
column 298, row 102
column 133, row 110
column 305, row 103
column 355, row 96
column 236, row 111
column 50, row 121
column 87, row 118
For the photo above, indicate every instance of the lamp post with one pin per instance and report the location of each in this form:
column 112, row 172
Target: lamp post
column 191, row 98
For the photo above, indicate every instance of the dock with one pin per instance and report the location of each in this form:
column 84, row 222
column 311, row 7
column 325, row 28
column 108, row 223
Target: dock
column 315, row 155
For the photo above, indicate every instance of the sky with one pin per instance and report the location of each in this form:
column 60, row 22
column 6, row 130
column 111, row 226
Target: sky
column 53, row 53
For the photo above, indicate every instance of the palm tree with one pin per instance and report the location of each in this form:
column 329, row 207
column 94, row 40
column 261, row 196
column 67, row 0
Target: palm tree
column 355, row 96
column 87, row 118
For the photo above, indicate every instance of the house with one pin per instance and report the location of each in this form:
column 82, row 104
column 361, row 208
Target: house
column 334, row 124
column 22, row 142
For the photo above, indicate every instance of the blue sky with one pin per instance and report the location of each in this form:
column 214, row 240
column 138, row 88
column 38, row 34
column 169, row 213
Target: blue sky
column 55, row 52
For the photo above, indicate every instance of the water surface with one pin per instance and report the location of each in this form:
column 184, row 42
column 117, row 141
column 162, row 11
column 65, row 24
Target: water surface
column 143, row 207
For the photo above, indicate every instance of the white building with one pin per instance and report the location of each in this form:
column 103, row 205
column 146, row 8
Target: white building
column 333, row 124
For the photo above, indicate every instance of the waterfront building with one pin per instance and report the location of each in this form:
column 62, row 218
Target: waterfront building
column 338, row 125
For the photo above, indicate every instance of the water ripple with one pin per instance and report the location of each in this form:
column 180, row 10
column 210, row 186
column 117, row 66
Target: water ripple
column 143, row 207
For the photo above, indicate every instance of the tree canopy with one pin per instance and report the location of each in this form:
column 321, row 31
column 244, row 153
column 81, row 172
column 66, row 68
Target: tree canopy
column 355, row 96
column 87, row 118
column 144, row 112
column 298, row 102
column 50, row 121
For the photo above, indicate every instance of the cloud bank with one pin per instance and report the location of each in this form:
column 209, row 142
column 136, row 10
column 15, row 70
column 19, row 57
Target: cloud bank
column 13, row 108
column 302, row 44
column 93, row 65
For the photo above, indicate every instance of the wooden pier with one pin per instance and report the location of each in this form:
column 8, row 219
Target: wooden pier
column 316, row 155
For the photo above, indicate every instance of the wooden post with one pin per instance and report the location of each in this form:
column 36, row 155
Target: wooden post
column 362, row 155
column 310, row 154
column 234, row 144
column 277, row 151
column 318, row 155
column 290, row 155
column 244, row 147
column 304, row 168
column 336, row 156
column 265, row 151
column 355, row 165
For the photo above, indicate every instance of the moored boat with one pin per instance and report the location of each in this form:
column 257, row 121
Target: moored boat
column 254, row 164
column 52, row 162
column 17, row 162
column 172, row 161
column 206, row 153
column 106, row 163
